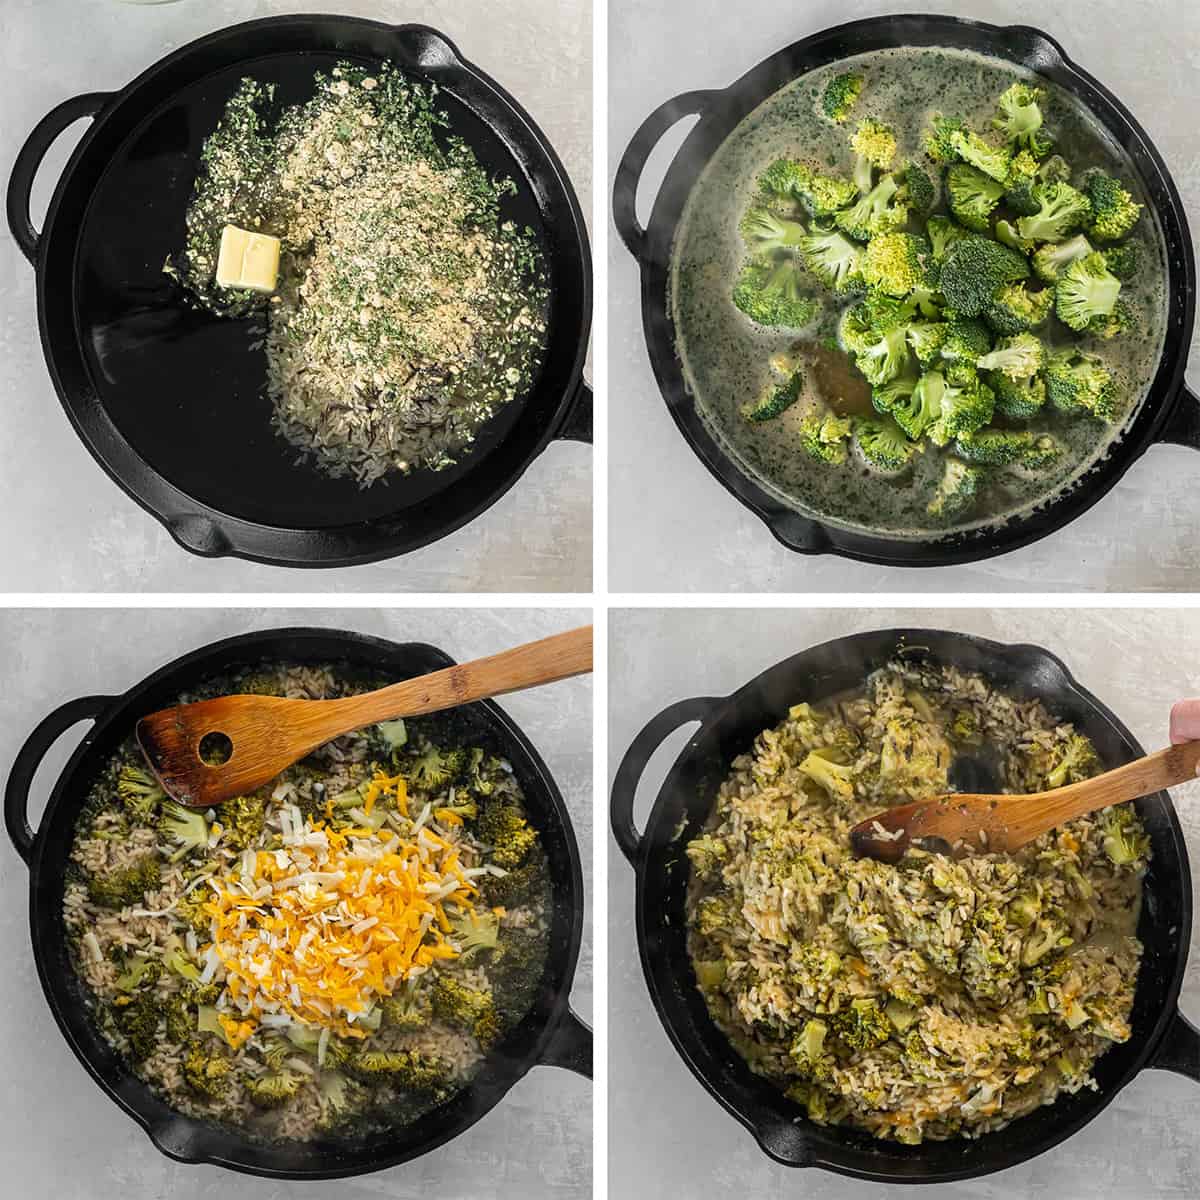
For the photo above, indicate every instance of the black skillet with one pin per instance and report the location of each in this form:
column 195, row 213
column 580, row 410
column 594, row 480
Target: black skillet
column 550, row 1034
column 1170, row 413
column 170, row 401
column 1162, row 1036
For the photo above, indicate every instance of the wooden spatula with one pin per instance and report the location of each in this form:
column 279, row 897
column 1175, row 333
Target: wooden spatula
column 262, row 735
column 964, row 823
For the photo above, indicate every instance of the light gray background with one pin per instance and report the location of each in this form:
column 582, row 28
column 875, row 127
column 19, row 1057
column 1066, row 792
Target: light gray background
column 59, row 1136
column 672, row 527
column 667, row 1137
column 65, row 526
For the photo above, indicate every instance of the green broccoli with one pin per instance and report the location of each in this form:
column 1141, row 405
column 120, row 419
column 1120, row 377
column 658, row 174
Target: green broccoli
column 994, row 161
column 467, row 1008
column 1020, row 119
column 1005, row 232
column 938, row 144
column 770, row 294
column 1018, row 399
column 957, row 490
column 972, row 196
column 975, row 269
column 774, row 399
column 1015, row 309
column 183, row 825
column 926, row 340
column 140, row 792
column 1003, row 447
column 434, row 769
column 916, row 189
column 965, row 341
column 408, row 1008
column 1122, row 260
column 896, row 393
column 917, row 411
column 518, row 884
column 823, row 437
column 242, row 820
column 1120, row 320
column 137, row 1018
column 1051, row 260
column 1085, row 290
column 125, row 886
column 765, row 232
column 503, row 826
column 714, row 914
column 835, row 780
column 943, row 233
column 861, row 1027
column 206, row 1072
column 808, row 1050
column 1114, row 211
column 965, row 409
column 392, row 734
column 877, row 211
column 783, row 180
column 883, row 444
column 140, row 972
column 1125, row 842
column 1074, row 759
column 840, row 95
column 960, row 373
column 895, row 263
column 875, row 142
column 476, row 932
column 273, row 1090
column 856, row 329
column 407, row 1069
column 1018, row 357
column 832, row 258
column 707, row 854
column 1078, row 382
column 885, row 358
column 1021, row 183
column 1061, row 209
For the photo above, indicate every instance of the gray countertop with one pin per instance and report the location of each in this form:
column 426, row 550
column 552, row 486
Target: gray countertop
column 667, row 1137
column 1140, row 537
column 59, row 1135
column 536, row 538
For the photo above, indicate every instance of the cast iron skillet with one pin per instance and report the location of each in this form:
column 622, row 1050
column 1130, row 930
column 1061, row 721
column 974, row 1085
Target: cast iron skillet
column 1170, row 413
column 1162, row 1036
column 550, row 1034
column 170, row 401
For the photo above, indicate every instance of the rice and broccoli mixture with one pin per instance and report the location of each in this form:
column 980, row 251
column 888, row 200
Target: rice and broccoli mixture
column 938, row 996
column 408, row 311
column 336, row 952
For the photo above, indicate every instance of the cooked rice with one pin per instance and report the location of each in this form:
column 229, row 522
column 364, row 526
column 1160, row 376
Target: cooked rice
column 937, row 997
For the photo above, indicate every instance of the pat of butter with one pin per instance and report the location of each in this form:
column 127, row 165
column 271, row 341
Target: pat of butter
column 247, row 260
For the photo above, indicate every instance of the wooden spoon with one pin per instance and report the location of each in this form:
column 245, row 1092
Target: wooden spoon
column 965, row 822
column 266, row 734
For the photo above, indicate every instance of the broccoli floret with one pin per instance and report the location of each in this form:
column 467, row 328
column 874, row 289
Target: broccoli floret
column 836, row 780
column 1006, row 233
column 434, row 769
column 832, row 258
column 878, row 211
column 707, row 855
column 191, row 909
column 124, row 886
column 1015, row 309
column 1061, row 209
column 183, row 825
column 1120, row 320
column 1122, row 260
column 840, row 95
column 938, row 144
column 1002, row 447
column 823, row 437
column 205, row 1072
column 770, row 294
column 883, row 444
column 518, row 884
column 476, row 932
column 1018, row 357
column 714, row 914
column 916, row 189
column 791, row 181
column 137, row 1019
column 1125, row 842
column 1020, row 119
column 856, row 330
column 1114, row 211
column 895, row 393
column 926, row 339
column 875, row 142
column 1075, row 759
column 943, row 233
column 783, row 179
column 242, row 820
column 467, row 1008
column 975, row 269
column 1078, row 382
column 960, row 373
column 956, row 493
column 1050, row 261
column 994, row 161
column 808, row 1053
column 140, row 793
column 895, row 263
column 1044, row 452
column 1085, row 290
column 863, row 1026
column 774, row 399
column 885, row 358
column 918, row 410
column 765, row 232
column 273, row 1090
column 141, row 972
column 1018, row 399
column 392, row 734
column 408, row 1069
column 408, row 1008
column 972, row 196
column 503, row 826
column 965, row 341
column 965, row 408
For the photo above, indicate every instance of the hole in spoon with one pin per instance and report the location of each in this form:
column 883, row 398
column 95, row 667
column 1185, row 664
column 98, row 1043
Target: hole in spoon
column 216, row 749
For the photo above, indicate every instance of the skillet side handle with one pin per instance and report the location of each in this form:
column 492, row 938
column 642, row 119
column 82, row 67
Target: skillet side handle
column 570, row 1046
column 577, row 424
column 1183, row 425
column 629, row 773
column 1179, row 1050
column 20, row 778
column 45, row 133
column 633, row 162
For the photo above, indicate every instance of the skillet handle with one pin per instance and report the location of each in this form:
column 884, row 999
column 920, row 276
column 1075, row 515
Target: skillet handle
column 20, row 778
column 1179, row 1050
column 577, row 424
column 44, row 134
column 629, row 773
column 1183, row 425
column 633, row 162
column 570, row 1046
